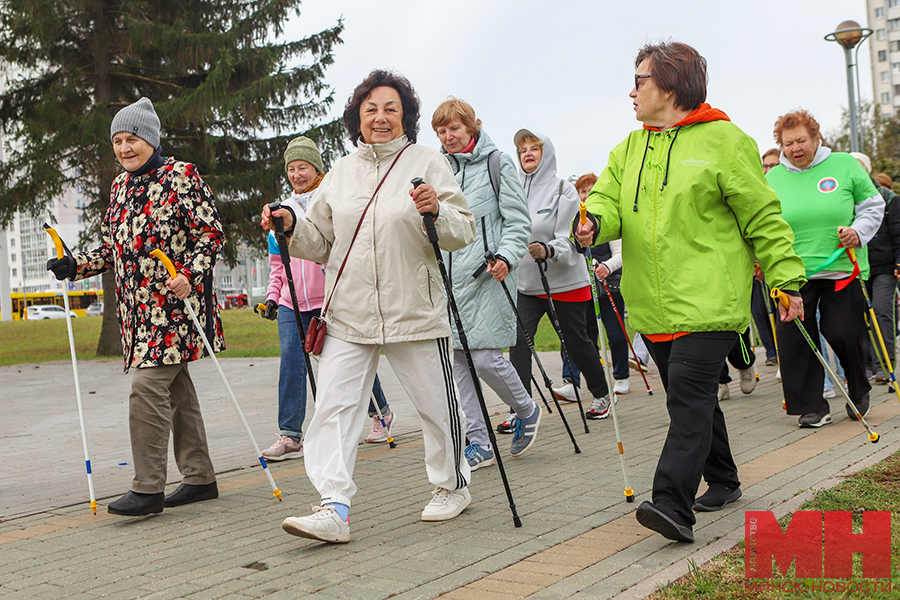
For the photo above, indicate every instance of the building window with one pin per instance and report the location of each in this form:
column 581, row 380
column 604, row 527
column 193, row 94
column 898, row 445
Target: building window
column 897, row 90
column 884, row 76
column 893, row 24
column 879, row 34
column 894, row 46
column 12, row 257
column 14, row 273
column 882, row 55
column 879, row 13
column 885, row 97
column 895, row 68
column 893, row 3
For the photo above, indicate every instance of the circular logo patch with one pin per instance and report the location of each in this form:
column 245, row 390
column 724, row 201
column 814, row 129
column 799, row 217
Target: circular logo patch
column 827, row 185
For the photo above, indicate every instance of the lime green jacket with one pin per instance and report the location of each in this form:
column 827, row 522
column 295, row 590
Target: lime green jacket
column 693, row 209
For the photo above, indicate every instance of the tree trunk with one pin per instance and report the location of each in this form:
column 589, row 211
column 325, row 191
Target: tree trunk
column 110, row 343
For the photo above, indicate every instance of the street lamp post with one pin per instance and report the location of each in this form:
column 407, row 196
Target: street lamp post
column 849, row 34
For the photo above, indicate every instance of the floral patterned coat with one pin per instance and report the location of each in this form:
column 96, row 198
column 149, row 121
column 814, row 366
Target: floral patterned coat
column 172, row 209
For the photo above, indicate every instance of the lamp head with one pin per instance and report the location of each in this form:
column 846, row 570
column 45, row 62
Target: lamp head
column 848, row 34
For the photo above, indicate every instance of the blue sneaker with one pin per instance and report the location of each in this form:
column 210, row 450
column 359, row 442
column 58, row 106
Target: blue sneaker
column 478, row 457
column 525, row 432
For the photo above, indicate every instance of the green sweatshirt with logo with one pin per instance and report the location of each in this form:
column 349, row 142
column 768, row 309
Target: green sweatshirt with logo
column 693, row 210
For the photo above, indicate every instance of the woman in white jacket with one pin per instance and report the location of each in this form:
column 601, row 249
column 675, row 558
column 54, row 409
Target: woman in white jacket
column 389, row 299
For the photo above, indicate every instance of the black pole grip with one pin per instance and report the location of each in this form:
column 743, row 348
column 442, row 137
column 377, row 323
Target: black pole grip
column 427, row 217
column 278, row 222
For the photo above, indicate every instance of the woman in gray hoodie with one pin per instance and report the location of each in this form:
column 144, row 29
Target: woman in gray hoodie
column 553, row 203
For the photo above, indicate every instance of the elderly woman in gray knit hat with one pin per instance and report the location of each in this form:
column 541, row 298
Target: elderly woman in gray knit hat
column 160, row 203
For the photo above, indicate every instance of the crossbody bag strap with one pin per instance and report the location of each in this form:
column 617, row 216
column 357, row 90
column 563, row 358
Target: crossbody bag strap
column 358, row 226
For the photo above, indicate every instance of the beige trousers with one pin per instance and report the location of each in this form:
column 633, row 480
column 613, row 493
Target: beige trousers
column 162, row 399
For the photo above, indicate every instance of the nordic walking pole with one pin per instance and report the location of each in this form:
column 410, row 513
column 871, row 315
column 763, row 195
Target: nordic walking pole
column 60, row 248
column 629, row 492
column 542, row 266
column 159, row 254
column 285, row 253
column 627, row 339
column 390, row 439
column 874, row 322
column 489, row 256
column 752, row 349
column 875, row 347
column 782, row 297
column 428, row 219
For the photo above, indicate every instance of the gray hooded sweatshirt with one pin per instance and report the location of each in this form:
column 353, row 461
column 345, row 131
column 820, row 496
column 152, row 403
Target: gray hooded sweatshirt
column 551, row 217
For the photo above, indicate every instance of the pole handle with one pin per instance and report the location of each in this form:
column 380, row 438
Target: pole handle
column 259, row 308
column 159, row 254
column 428, row 218
column 780, row 297
column 582, row 213
column 57, row 241
column 490, row 258
column 278, row 222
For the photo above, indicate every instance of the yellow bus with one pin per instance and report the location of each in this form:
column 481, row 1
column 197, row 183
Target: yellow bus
column 78, row 301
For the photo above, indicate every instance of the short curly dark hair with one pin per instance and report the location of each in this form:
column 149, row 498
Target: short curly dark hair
column 408, row 99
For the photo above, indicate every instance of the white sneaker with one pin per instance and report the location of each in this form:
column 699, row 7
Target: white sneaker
column 324, row 525
column 565, row 393
column 599, row 408
column 446, row 504
column 724, row 393
column 829, row 393
column 778, row 374
column 748, row 380
column 379, row 433
column 622, row 386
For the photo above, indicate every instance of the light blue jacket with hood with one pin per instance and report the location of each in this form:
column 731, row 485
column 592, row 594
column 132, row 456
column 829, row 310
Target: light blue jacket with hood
column 551, row 217
column 504, row 227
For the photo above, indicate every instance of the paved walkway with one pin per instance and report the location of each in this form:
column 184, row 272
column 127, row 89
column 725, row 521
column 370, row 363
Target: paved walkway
column 579, row 538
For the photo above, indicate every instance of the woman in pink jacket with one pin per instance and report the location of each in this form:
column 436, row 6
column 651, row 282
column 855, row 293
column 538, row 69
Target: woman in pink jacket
column 304, row 167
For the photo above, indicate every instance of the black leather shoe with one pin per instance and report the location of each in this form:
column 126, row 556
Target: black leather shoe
column 134, row 504
column 652, row 518
column 716, row 497
column 187, row 493
column 862, row 405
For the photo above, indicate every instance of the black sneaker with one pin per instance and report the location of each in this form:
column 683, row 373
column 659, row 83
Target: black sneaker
column 815, row 419
column 716, row 497
column 862, row 405
column 652, row 518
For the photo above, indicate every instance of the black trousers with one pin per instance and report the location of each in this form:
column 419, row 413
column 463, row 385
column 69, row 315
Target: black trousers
column 574, row 330
column 802, row 375
column 697, row 441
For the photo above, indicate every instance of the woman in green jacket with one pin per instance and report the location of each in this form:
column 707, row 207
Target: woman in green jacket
column 686, row 194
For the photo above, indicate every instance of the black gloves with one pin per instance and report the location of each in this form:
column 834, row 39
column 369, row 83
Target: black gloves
column 271, row 310
column 63, row 268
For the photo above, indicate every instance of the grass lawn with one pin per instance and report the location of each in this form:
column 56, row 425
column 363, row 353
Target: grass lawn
column 876, row 488
column 246, row 335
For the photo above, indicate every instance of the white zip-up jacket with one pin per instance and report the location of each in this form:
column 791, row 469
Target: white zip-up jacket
column 390, row 290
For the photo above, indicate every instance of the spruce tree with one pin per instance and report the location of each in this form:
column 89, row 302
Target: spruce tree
column 217, row 73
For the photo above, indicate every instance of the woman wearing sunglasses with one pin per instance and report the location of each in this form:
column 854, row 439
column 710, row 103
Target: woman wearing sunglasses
column 686, row 194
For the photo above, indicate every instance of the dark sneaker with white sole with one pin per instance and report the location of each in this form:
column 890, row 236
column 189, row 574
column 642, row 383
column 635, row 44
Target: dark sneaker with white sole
column 652, row 518
column 862, row 405
column 525, row 432
column 815, row 419
column 716, row 497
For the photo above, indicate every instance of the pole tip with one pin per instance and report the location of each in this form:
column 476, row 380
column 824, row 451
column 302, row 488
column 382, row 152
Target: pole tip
column 629, row 495
column 874, row 437
column 277, row 493
column 517, row 521
column 94, row 506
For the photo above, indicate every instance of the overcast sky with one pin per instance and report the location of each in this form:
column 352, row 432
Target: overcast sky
column 565, row 67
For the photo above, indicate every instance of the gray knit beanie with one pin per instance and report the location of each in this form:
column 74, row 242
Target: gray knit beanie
column 303, row 148
column 140, row 119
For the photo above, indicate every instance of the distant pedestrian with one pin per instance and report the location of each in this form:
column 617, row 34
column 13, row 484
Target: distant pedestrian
column 162, row 203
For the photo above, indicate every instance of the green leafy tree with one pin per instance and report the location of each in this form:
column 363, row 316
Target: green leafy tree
column 219, row 78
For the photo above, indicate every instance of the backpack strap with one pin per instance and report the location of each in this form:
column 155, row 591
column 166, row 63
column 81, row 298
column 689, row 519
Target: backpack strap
column 494, row 171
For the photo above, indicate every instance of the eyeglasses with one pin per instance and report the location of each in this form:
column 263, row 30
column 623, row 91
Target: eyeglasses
column 637, row 80
column 770, row 165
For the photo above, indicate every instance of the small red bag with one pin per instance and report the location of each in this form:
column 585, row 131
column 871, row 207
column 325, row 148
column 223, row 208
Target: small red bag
column 315, row 336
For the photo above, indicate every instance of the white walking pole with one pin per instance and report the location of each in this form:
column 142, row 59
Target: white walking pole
column 172, row 273
column 60, row 248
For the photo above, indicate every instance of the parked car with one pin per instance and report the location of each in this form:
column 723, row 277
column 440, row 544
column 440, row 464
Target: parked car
column 41, row 312
column 94, row 310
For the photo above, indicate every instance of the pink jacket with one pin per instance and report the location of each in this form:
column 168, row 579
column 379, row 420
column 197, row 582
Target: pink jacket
column 309, row 278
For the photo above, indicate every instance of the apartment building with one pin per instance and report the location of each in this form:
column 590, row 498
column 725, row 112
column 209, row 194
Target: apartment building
column 884, row 48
